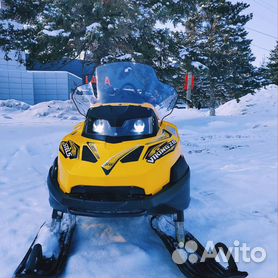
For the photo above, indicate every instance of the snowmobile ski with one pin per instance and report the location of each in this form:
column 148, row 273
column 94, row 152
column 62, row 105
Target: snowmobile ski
column 189, row 261
column 49, row 251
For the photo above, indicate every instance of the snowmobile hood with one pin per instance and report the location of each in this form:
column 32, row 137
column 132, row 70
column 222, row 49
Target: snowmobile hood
column 144, row 163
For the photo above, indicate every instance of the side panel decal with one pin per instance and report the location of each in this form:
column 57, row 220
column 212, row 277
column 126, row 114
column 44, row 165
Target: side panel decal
column 94, row 150
column 69, row 149
column 160, row 150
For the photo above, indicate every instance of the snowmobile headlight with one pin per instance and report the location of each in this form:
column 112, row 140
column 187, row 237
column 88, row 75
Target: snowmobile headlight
column 139, row 126
column 130, row 127
column 98, row 126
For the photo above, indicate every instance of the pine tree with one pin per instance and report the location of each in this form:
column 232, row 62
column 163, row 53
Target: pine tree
column 272, row 66
column 99, row 30
column 209, row 32
column 219, row 52
column 67, row 28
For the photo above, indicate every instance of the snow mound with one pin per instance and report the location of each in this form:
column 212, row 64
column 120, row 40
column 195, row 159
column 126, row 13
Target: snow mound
column 56, row 109
column 191, row 113
column 264, row 101
column 13, row 105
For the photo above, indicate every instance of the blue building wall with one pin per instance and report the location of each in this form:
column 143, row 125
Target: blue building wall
column 15, row 81
column 53, row 85
column 34, row 86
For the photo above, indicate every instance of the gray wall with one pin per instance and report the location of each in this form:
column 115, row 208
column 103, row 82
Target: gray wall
column 16, row 85
column 53, row 85
column 15, row 81
column 34, row 86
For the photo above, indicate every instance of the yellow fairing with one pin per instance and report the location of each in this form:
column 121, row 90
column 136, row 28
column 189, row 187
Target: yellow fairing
column 108, row 170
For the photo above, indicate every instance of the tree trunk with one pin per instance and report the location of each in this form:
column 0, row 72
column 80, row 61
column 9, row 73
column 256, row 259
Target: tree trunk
column 212, row 99
column 212, row 111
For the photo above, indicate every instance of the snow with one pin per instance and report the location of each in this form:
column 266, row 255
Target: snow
column 183, row 53
column 64, row 110
column 264, row 101
column 55, row 108
column 13, row 105
column 49, row 241
column 93, row 27
column 198, row 65
column 56, row 33
column 124, row 57
column 233, row 160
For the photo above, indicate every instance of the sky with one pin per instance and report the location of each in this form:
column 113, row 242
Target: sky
column 263, row 27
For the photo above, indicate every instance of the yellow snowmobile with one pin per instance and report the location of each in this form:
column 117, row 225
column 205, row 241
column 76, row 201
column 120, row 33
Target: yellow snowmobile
column 123, row 160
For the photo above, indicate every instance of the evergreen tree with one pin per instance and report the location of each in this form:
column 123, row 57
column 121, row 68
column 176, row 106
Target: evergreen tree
column 272, row 66
column 209, row 40
column 219, row 52
column 101, row 30
column 67, row 28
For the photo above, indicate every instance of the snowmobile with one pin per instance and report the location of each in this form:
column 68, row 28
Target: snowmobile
column 123, row 160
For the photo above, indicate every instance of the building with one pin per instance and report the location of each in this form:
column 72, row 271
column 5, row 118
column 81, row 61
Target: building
column 34, row 86
column 15, row 81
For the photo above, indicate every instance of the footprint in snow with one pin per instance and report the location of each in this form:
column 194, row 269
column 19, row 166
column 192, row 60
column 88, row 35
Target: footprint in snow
column 233, row 147
column 199, row 151
column 7, row 117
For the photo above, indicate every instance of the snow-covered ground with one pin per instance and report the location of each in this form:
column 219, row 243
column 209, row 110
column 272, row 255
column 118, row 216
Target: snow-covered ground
column 233, row 160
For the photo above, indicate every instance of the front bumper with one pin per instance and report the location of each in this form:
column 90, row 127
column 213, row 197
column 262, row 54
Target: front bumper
column 175, row 196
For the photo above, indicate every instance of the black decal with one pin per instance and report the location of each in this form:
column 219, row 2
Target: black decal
column 158, row 151
column 69, row 149
column 88, row 156
column 133, row 156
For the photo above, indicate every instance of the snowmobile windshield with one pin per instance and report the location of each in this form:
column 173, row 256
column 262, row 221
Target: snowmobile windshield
column 128, row 82
column 125, row 82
